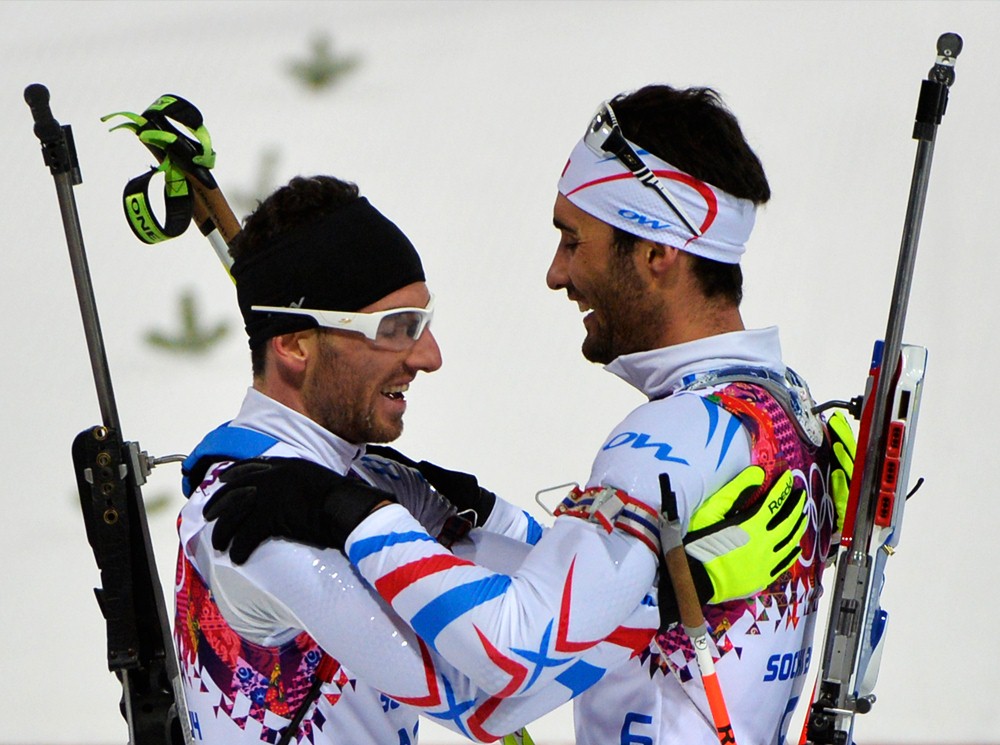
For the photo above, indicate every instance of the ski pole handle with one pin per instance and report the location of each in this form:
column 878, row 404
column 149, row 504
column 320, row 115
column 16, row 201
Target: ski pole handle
column 676, row 563
column 191, row 158
column 214, row 218
column 687, row 596
column 213, row 215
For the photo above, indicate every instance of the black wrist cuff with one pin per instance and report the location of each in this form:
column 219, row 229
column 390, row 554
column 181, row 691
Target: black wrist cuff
column 484, row 508
column 702, row 582
column 666, row 599
column 346, row 509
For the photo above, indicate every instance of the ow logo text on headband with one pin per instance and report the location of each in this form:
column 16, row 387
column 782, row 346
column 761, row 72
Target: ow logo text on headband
column 644, row 220
column 607, row 190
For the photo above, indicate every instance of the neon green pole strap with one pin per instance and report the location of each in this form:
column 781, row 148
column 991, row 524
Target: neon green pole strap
column 170, row 108
column 134, row 124
column 176, row 197
column 182, row 154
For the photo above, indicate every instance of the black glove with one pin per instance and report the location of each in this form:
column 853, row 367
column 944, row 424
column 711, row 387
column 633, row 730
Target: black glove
column 288, row 498
column 461, row 489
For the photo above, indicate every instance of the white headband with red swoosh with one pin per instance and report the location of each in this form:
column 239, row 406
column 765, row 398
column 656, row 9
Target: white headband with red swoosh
column 603, row 187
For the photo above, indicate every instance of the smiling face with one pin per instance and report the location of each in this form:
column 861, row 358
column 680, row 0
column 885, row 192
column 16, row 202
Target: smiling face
column 357, row 390
column 623, row 316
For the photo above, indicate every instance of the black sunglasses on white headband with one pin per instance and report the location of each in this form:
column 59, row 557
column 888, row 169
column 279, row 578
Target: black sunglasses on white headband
column 604, row 136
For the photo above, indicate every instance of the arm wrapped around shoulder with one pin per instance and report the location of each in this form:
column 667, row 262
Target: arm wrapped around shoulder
column 736, row 553
column 290, row 498
column 472, row 501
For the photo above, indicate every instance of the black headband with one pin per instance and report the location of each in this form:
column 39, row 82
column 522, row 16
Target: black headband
column 343, row 260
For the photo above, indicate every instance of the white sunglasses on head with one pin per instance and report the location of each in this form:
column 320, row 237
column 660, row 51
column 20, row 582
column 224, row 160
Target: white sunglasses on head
column 396, row 328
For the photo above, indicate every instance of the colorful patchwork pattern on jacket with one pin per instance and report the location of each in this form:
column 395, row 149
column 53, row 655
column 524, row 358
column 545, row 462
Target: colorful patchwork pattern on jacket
column 208, row 646
column 795, row 593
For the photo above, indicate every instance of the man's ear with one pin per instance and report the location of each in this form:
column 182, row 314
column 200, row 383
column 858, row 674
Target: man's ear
column 292, row 352
column 658, row 258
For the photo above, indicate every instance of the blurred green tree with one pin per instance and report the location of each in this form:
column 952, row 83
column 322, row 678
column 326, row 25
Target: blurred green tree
column 192, row 337
column 322, row 68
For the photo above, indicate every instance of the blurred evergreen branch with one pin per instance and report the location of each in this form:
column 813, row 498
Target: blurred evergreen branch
column 245, row 202
column 322, row 68
column 193, row 337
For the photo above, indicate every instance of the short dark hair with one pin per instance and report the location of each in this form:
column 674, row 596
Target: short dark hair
column 692, row 129
column 303, row 198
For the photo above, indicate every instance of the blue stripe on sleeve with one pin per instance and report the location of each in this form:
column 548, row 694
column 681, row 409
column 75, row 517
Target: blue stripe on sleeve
column 713, row 418
column 364, row 548
column 731, row 429
column 534, row 530
column 643, row 519
column 430, row 620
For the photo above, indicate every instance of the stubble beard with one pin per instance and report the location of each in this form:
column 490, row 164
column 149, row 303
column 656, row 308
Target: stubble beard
column 623, row 322
column 336, row 399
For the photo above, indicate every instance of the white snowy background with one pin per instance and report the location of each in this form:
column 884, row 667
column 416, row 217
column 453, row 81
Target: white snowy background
column 456, row 123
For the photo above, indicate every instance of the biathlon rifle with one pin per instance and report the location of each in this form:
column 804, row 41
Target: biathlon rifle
column 888, row 411
column 109, row 475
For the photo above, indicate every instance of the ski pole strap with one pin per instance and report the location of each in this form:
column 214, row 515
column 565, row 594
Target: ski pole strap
column 184, row 156
column 177, row 200
column 193, row 156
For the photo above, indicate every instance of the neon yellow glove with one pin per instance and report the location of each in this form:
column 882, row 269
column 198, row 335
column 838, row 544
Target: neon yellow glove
column 735, row 553
column 844, row 450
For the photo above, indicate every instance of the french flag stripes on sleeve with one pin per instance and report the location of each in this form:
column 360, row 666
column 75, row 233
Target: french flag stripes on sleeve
column 510, row 632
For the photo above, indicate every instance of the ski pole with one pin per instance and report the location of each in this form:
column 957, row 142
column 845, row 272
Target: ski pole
column 692, row 618
column 873, row 519
column 109, row 474
column 187, row 162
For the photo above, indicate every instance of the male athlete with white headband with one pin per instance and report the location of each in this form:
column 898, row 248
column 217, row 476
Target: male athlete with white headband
column 655, row 208
column 546, row 615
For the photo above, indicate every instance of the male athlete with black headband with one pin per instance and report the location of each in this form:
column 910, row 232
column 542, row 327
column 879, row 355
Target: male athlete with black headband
column 544, row 617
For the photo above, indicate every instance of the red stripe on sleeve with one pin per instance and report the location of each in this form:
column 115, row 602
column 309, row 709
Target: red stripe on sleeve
column 634, row 639
column 399, row 579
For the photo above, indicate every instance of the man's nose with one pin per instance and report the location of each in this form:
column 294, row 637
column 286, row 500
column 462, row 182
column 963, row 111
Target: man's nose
column 426, row 354
column 556, row 277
